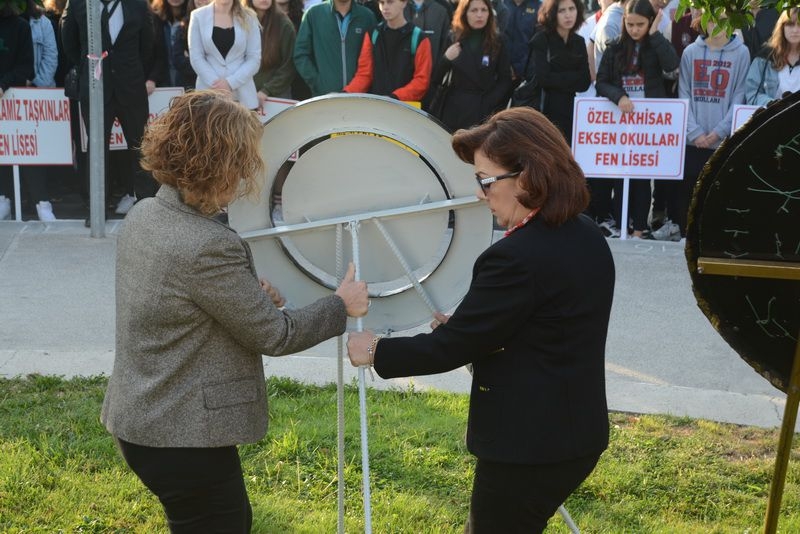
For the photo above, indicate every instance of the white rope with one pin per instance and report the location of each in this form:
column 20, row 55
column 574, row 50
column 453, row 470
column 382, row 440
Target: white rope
column 340, row 395
column 406, row 267
column 362, row 396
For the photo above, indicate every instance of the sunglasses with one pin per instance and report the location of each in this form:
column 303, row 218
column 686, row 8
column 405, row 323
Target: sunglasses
column 486, row 183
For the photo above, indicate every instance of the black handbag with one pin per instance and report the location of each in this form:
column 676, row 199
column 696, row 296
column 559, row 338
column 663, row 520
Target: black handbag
column 71, row 83
column 436, row 107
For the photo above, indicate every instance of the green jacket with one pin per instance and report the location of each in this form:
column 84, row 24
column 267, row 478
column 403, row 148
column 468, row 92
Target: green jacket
column 277, row 80
column 326, row 60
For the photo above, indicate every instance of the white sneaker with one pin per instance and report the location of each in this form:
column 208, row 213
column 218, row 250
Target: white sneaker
column 45, row 211
column 125, row 204
column 668, row 232
column 5, row 208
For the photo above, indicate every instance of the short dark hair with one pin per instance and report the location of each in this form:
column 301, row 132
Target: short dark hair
column 548, row 15
column 522, row 139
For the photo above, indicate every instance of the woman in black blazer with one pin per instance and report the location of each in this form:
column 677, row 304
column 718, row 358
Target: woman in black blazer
column 533, row 325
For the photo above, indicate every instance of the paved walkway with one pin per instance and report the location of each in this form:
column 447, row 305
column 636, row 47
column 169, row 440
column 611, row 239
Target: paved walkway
column 57, row 317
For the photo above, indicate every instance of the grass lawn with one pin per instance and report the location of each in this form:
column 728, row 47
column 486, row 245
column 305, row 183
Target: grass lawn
column 60, row 471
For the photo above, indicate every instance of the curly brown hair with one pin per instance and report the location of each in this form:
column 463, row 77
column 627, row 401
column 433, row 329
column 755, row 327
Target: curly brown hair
column 522, row 139
column 207, row 147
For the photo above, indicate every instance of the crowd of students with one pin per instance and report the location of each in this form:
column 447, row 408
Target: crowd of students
column 460, row 60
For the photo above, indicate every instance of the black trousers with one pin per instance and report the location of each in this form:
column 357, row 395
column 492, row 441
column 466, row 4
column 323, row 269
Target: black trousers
column 201, row 489
column 696, row 159
column 515, row 498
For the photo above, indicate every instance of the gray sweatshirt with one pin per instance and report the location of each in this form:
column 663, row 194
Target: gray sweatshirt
column 713, row 80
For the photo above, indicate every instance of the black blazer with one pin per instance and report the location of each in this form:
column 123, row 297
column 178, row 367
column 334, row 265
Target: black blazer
column 533, row 324
column 129, row 60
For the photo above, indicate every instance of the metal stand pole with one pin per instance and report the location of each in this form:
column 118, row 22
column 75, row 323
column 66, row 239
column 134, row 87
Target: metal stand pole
column 784, row 446
column 17, row 193
column 362, row 397
column 96, row 154
column 426, row 298
column 340, row 397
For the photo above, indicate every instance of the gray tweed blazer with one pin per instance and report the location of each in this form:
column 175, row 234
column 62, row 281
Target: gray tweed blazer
column 192, row 324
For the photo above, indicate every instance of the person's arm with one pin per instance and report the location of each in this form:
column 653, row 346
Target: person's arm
column 583, row 77
column 147, row 39
column 180, row 55
column 607, row 85
column 304, row 53
column 414, row 91
column 362, row 79
column 667, row 57
column 197, row 53
column 693, row 130
column 49, row 61
column 222, row 284
column 22, row 68
column 494, row 309
column 282, row 76
column 757, row 90
column 159, row 70
column 590, row 56
column 70, row 35
column 252, row 55
column 497, row 96
column 737, row 82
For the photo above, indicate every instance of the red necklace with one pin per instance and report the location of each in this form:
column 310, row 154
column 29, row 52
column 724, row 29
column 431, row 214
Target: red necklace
column 522, row 223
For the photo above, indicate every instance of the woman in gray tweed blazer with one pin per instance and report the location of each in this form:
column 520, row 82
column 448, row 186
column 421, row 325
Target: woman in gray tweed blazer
column 193, row 319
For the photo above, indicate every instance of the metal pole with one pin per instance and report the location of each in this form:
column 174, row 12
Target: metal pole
column 340, row 397
column 362, row 397
column 17, row 193
column 426, row 298
column 623, row 224
column 96, row 155
column 784, row 446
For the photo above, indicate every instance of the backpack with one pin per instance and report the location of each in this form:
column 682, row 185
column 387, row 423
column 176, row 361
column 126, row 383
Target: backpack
column 415, row 36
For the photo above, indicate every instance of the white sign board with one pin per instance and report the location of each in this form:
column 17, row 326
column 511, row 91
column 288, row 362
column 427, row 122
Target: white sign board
column 647, row 143
column 741, row 114
column 34, row 127
column 158, row 103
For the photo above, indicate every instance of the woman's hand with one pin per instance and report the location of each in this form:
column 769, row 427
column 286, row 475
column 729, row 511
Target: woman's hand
column 273, row 293
column 358, row 344
column 438, row 320
column 353, row 293
column 150, row 85
column 262, row 99
column 453, row 51
column 625, row 105
column 656, row 21
column 701, row 141
column 222, row 85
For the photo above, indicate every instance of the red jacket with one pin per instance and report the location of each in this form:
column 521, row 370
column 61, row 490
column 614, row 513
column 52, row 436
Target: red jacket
column 413, row 91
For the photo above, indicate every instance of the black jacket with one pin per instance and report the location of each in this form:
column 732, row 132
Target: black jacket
column 480, row 86
column 566, row 73
column 16, row 54
column 534, row 325
column 657, row 58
